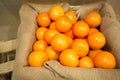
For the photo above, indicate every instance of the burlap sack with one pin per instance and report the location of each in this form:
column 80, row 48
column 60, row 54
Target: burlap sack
column 53, row 70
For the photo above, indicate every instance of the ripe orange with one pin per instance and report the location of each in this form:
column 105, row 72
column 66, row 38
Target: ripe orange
column 49, row 34
column 86, row 62
column 93, row 19
column 92, row 53
column 52, row 55
column 92, row 30
column 55, row 12
column 37, row 58
column 105, row 59
column 69, row 34
column 96, row 40
column 80, row 29
column 81, row 46
column 40, row 33
column 60, row 42
column 72, row 16
column 43, row 19
column 70, row 40
column 63, row 24
column 52, row 26
column 69, row 57
column 40, row 45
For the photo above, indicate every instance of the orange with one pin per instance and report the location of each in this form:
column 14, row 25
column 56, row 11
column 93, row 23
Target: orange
column 80, row 29
column 70, row 40
column 86, row 62
column 69, row 34
column 92, row 30
column 72, row 16
column 69, row 57
column 92, row 53
column 60, row 42
column 105, row 59
column 43, row 19
column 37, row 58
column 52, row 25
column 96, row 40
column 40, row 33
column 52, row 55
column 81, row 46
column 55, row 12
column 39, row 45
column 63, row 24
column 93, row 19
column 49, row 34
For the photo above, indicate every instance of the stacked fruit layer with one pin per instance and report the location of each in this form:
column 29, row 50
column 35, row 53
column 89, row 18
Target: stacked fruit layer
column 72, row 42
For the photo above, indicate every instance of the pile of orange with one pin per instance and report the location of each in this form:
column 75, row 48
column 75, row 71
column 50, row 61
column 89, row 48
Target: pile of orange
column 71, row 41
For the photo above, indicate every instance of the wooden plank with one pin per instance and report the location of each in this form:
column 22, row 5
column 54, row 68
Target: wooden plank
column 6, row 46
column 6, row 67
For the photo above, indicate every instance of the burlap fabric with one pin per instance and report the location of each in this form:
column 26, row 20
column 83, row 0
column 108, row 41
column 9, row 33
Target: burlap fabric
column 53, row 70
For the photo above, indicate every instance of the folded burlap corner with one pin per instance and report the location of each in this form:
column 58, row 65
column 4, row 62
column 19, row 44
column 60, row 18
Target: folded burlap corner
column 53, row 70
column 71, row 73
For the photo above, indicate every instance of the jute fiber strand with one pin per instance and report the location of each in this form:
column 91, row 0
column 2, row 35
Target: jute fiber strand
column 53, row 70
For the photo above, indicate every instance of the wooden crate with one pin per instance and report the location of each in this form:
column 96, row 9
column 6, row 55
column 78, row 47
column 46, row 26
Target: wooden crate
column 7, row 56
